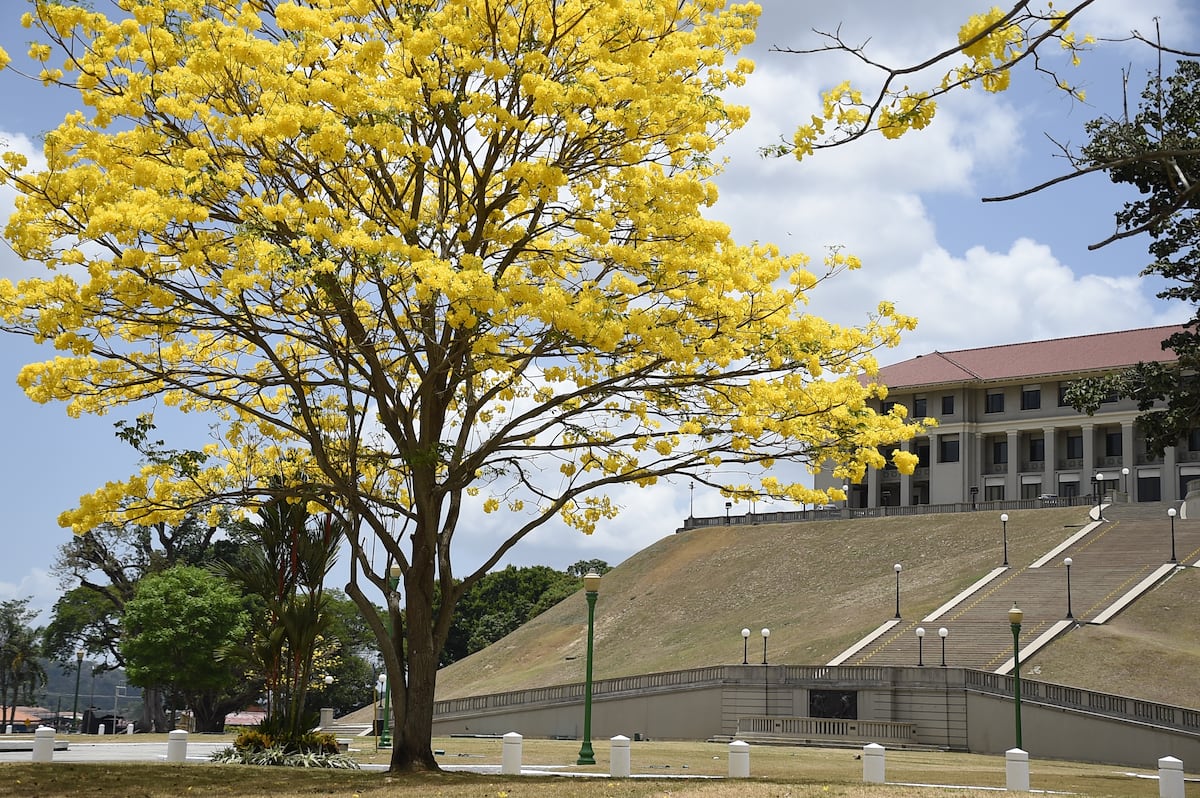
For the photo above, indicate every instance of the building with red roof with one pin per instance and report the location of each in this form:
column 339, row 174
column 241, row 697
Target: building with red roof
column 1004, row 432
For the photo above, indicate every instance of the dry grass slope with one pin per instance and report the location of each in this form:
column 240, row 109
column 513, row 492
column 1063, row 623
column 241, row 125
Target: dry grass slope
column 818, row 586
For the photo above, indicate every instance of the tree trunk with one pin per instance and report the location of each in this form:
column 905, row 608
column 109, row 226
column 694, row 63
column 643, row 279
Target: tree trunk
column 208, row 713
column 154, row 718
column 413, row 691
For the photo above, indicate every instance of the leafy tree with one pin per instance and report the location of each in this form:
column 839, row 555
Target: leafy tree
column 500, row 602
column 285, row 568
column 582, row 568
column 419, row 258
column 19, row 652
column 107, row 563
column 1157, row 152
column 175, row 632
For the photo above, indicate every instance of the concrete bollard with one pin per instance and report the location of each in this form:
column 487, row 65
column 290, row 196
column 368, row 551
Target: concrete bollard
column 43, row 744
column 8, row 729
column 739, row 760
column 326, row 717
column 129, row 727
column 102, row 730
column 874, row 763
column 510, row 754
column 1016, row 770
column 177, row 746
column 619, row 767
column 1170, row 777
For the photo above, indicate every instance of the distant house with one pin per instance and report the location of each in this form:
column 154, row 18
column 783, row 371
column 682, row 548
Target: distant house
column 25, row 719
column 1004, row 430
column 251, row 716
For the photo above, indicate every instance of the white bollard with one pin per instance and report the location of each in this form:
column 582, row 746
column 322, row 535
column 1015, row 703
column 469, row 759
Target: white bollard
column 177, row 746
column 102, row 730
column 8, row 729
column 43, row 744
column 510, row 754
column 739, row 760
column 619, row 767
column 1016, row 770
column 1170, row 777
column 129, row 727
column 874, row 763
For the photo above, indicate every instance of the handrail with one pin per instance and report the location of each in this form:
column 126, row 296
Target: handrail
column 792, row 516
column 1106, row 704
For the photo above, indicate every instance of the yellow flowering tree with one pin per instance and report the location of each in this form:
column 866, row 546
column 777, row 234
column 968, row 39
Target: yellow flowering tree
column 408, row 256
column 988, row 47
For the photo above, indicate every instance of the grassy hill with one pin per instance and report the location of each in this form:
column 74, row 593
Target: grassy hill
column 820, row 586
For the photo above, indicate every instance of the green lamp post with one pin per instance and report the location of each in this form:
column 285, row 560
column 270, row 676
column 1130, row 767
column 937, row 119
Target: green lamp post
column 385, row 735
column 591, row 589
column 1014, row 619
column 75, row 706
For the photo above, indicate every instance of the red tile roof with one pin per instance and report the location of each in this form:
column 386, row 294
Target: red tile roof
column 1035, row 359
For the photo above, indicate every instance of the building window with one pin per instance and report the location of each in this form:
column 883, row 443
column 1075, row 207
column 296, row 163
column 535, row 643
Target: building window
column 886, row 406
column 995, row 402
column 993, row 493
column 999, row 452
column 947, row 448
column 1074, row 447
column 919, row 410
column 1194, row 440
column 1112, row 444
column 1063, row 387
column 1031, row 397
column 1037, row 450
column 948, row 405
column 922, row 452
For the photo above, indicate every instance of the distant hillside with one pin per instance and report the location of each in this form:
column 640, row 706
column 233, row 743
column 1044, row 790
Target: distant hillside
column 818, row 586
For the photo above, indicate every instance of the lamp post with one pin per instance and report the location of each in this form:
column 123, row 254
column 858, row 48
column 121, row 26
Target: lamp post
column 920, row 646
column 75, row 706
column 846, row 492
column 379, row 719
column 1125, row 482
column 385, row 737
column 591, row 589
column 1014, row 620
column 691, row 500
column 1099, row 497
column 1068, row 562
column 1171, row 513
column 765, row 633
column 942, row 633
column 897, row 568
column 745, row 646
column 1004, row 533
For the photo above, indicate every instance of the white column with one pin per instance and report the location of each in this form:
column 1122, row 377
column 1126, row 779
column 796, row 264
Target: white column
column 1050, row 452
column 1012, row 477
column 177, row 746
column 619, row 767
column 739, row 760
column 874, row 763
column 510, row 756
column 43, row 744
column 1016, row 770
column 1170, row 777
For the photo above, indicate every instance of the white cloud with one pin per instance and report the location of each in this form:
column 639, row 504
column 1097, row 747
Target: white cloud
column 37, row 585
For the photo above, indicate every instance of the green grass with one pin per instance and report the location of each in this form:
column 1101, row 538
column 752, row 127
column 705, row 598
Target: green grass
column 776, row 772
column 819, row 586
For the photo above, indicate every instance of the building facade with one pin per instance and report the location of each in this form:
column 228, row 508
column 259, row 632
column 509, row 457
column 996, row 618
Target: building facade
column 1004, row 430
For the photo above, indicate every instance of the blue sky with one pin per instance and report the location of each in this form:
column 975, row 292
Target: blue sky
column 973, row 273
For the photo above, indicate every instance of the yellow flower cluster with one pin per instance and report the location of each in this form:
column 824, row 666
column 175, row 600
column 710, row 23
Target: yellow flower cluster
column 992, row 42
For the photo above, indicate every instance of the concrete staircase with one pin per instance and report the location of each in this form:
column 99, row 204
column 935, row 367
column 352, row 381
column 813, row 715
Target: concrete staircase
column 1113, row 562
